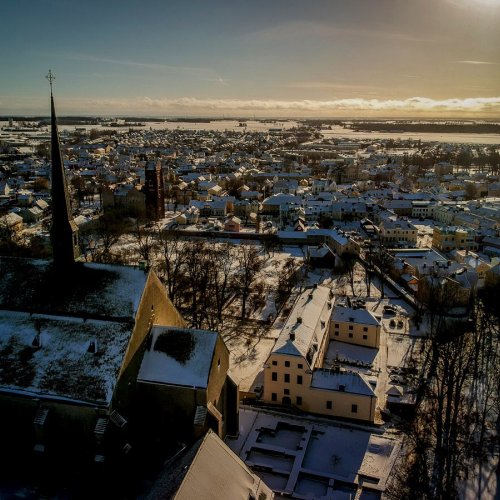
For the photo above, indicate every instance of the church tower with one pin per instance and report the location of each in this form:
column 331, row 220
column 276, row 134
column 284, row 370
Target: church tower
column 64, row 231
column 154, row 190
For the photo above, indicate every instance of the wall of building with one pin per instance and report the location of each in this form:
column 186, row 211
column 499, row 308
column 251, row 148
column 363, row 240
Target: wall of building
column 312, row 400
column 354, row 333
column 67, row 434
column 155, row 308
column 216, row 390
column 341, row 404
column 297, row 367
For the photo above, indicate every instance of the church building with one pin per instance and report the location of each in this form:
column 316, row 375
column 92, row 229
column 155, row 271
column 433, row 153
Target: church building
column 95, row 361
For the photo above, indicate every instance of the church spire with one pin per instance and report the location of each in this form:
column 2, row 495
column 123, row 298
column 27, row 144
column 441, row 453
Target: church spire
column 64, row 232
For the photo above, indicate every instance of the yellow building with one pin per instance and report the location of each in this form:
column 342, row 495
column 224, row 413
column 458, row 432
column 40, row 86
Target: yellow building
column 397, row 231
column 355, row 326
column 450, row 238
column 294, row 372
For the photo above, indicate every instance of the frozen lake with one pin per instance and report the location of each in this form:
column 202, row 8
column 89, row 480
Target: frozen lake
column 340, row 132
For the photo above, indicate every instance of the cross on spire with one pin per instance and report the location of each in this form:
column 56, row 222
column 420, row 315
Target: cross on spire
column 50, row 77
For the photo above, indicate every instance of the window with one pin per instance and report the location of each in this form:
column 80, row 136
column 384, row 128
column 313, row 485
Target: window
column 337, row 325
column 336, row 333
column 351, row 327
column 365, row 337
column 350, row 335
column 287, row 378
column 299, row 379
column 274, row 396
column 275, row 363
column 298, row 400
column 354, row 408
column 365, row 328
column 287, row 363
column 300, row 366
column 274, row 376
column 286, row 392
column 329, row 405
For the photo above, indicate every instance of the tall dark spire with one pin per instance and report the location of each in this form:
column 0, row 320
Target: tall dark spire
column 64, row 231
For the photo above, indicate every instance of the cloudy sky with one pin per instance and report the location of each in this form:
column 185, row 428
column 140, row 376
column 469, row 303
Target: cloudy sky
column 337, row 58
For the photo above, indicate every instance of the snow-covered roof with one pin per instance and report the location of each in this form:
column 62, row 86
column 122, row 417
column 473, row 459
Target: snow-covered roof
column 58, row 364
column 343, row 381
column 217, row 473
column 303, row 329
column 101, row 291
column 178, row 356
column 347, row 314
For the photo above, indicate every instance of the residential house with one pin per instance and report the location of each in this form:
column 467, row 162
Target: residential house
column 232, row 224
column 448, row 238
column 355, row 326
column 393, row 232
column 294, row 372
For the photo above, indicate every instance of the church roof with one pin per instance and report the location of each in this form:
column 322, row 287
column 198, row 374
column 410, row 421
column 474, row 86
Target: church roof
column 51, row 356
column 64, row 334
column 85, row 290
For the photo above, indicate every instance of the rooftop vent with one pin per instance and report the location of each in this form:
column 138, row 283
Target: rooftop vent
column 92, row 348
column 37, row 341
column 117, row 419
column 341, row 387
column 41, row 416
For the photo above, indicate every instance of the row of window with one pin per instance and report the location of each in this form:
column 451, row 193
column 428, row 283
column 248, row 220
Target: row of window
column 298, row 401
column 300, row 366
column 351, row 327
column 286, row 378
column 336, row 333
column 329, row 406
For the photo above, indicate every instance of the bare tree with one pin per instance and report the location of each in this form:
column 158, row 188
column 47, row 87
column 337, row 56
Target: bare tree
column 223, row 264
column 249, row 266
column 457, row 394
column 288, row 277
column 170, row 267
column 382, row 262
column 100, row 236
column 348, row 268
column 146, row 239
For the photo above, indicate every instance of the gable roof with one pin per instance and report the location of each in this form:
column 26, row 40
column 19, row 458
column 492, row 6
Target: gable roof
column 347, row 314
column 302, row 328
column 209, row 470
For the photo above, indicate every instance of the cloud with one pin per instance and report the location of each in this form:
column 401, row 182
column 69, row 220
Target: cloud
column 417, row 104
column 491, row 5
column 477, row 62
column 200, row 72
column 325, row 85
column 293, row 29
column 184, row 106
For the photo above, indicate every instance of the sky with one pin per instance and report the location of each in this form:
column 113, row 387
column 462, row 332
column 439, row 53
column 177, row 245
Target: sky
column 262, row 58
